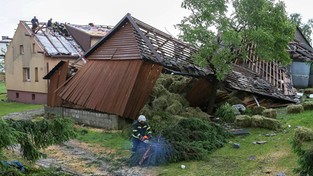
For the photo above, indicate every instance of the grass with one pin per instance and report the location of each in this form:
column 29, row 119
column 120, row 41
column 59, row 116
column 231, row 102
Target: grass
column 10, row 107
column 3, row 90
column 106, row 139
column 270, row 158
column 250, row 159
column 274, row 156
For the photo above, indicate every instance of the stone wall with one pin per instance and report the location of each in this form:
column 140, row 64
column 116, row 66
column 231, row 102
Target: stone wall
column 93, row 119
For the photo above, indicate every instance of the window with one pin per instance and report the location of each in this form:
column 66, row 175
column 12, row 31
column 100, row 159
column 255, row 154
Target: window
column 17, row 95
column 33, row 96
column 26, row 75
column 36, row 74
column 21, row 49
column 34, row 49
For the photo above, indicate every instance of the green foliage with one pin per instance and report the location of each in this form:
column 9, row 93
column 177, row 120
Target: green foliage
column 306, row 28
column 8, row 135
column 226, row 113
column 303, row 146
column 194, row 138
column 110, row 139
column 35, row 135
column 167, row 104
column 10, row 107
column 3, row 91
column 238, row 23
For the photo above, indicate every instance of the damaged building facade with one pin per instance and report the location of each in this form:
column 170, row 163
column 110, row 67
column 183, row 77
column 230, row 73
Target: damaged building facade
column 31, row 55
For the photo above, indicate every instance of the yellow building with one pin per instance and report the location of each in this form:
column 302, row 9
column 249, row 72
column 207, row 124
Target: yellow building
column 32, row 54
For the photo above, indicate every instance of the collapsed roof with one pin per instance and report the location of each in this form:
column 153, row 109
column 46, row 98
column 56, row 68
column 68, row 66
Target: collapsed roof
column 300, row 51
column 55, row 42
column 159, row 47
column 244, row 79
column 91, row 29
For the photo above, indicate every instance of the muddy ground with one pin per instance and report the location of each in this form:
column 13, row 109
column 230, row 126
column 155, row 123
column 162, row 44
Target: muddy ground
column 78, row 158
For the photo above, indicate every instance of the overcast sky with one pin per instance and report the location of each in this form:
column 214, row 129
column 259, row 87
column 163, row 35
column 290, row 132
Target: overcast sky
column 162, row 14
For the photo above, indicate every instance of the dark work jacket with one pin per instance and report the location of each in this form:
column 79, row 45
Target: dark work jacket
column 140, row 130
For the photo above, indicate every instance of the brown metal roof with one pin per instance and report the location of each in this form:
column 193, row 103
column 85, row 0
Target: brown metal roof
column 159, row 47
column 108, row 86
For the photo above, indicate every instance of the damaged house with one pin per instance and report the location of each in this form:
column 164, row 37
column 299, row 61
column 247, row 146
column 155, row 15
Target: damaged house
column 121, row 71
column 270, row 84
column 123, row 67
column 31, row 55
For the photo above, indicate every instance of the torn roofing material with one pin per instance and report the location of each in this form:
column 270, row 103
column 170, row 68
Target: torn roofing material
column 244, row 79
column 159, row 47
column 55, row 43
column 93, row 30
column 300, row 51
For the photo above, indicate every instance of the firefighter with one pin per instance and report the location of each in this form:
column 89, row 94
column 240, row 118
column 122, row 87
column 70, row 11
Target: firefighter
column 141, row 132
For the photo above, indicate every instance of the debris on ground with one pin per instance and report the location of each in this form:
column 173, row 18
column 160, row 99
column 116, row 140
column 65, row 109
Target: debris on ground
column 239, row 131
column 236, row 145
column 260, row 142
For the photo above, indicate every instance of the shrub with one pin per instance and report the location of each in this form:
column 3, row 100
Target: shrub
column 226, row 113
column 295, row 109
column 302, row 145
column 270, row 113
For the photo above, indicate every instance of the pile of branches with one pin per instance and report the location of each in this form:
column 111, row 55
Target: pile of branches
column 33, row 135
column 193, row 139
column 187, row 129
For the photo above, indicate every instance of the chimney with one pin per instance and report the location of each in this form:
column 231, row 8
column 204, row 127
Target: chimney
column 5, row 37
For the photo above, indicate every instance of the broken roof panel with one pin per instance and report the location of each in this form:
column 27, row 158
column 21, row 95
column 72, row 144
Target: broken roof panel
column 49, row 48
column 70, row 45
column 245, row 80
column 59, row 46
column 54, row 43
column 94, row 30
column 300, row 51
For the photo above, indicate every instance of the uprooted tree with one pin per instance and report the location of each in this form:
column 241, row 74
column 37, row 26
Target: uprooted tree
column 222, row 29
column 33, row 135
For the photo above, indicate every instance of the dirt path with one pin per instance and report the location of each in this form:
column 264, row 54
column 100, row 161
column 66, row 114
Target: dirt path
column 78, row 158
column 81, row 159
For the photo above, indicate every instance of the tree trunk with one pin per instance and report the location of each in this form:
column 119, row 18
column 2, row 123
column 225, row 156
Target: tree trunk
column 215, row 84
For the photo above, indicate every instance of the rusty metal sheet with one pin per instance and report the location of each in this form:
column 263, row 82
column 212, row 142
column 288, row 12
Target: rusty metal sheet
column 58, row 77
column 142, row 89
column 103, row 86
